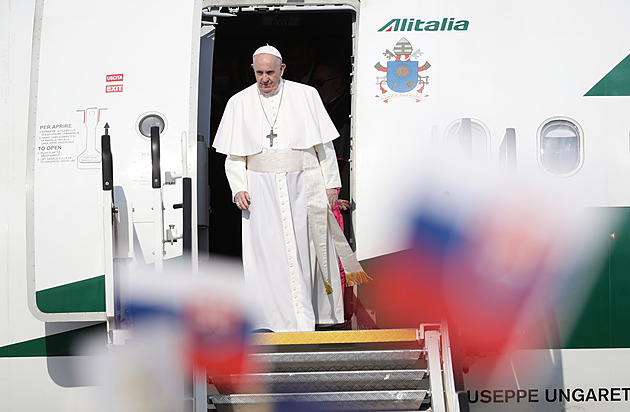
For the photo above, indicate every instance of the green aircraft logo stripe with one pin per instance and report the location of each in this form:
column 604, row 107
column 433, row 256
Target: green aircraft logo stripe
column 60, row 344
column 615, row 83
column 83, row 296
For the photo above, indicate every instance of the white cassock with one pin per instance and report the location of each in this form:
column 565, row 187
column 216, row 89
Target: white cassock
column 288, row 255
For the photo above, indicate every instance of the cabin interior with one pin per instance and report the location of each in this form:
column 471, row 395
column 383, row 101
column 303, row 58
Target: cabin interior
column 305, row 39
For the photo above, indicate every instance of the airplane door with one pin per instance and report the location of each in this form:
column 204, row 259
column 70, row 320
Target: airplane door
column 204, row 108
column 109, row 67
column 206, row 54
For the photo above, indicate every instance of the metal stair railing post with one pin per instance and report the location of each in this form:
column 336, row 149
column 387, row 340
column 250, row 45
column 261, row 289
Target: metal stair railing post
column 107, row 175
column 450, row 393
column 432, row 345
column 158, row 204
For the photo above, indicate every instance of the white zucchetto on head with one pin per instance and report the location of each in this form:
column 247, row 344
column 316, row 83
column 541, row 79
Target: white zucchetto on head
column 268, row 50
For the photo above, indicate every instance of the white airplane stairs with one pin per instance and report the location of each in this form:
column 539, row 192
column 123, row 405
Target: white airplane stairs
column 365, row 370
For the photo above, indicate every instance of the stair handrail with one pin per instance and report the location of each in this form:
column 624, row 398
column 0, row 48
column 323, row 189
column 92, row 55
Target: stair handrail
column 442, row 380
column 450, row 382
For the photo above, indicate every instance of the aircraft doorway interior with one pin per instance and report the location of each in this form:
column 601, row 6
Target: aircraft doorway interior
column 305, row 39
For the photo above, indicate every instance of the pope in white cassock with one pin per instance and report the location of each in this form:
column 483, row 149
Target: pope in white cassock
column 282, row 170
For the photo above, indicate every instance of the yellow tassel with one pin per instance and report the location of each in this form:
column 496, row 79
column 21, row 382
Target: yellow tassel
column 357, row 278
column 329, row 288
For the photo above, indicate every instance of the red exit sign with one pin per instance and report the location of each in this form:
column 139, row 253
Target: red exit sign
column 114, row 78
column 113, row 88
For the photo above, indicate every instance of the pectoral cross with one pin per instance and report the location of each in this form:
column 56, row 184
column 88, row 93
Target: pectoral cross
column 271, row 136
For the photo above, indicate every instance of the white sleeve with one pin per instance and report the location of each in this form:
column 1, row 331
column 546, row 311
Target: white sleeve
column 236, row 172
column 328, row 163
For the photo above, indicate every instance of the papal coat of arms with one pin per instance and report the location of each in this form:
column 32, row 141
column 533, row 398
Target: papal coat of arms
column 403, row 75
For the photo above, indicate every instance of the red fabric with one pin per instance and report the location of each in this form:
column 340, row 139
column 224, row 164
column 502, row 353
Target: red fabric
column 337, row 213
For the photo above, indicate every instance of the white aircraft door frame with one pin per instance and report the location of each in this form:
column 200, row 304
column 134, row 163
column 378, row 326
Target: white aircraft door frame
column 303, row 5
column 228, row 8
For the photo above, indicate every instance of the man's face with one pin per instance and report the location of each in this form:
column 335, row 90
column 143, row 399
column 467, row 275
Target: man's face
column 300, row 60
column 268, row 70
column 327, row 84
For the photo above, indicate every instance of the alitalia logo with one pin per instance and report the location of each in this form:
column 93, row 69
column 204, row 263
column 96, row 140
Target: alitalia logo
column 446, row 24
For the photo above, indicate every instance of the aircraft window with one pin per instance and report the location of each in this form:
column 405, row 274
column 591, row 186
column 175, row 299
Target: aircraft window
column 148, row 120
column 560, row 146
column 468, row 136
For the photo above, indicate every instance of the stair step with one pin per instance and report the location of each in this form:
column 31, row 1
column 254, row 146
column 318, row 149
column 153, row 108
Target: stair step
column 403, row 400
column 337, row 381
column 341, row 360
column 337, row 337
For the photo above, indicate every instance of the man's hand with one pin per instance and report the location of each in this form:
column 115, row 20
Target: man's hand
column 332, row 197
column 242, row 201
column 343, row 204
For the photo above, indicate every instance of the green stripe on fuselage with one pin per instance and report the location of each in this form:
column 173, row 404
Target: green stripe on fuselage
column 84, row 296
column 60, row 344
column 615, row 83
column 603, row 319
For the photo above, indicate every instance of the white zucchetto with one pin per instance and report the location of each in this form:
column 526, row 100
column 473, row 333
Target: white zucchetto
column 268, row 50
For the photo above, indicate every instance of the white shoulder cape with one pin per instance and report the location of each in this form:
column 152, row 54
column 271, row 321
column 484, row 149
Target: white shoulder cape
column 302, row 116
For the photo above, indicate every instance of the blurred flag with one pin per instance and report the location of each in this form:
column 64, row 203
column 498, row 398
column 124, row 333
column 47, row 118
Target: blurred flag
column 174, row 323
column 488, row 255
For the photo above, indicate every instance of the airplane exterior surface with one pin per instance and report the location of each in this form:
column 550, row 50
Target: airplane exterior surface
column 537, row 89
